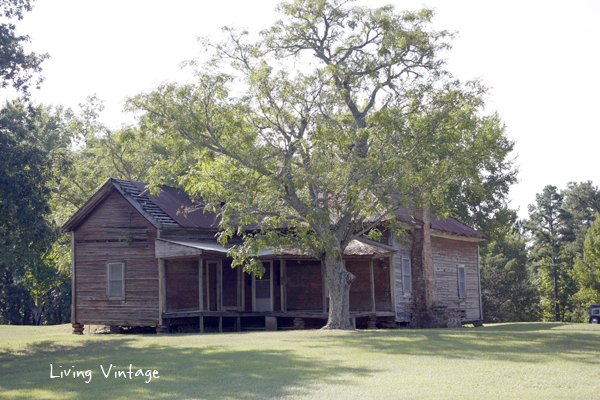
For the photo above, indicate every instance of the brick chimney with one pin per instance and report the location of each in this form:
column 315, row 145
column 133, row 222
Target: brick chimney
column 424, row 287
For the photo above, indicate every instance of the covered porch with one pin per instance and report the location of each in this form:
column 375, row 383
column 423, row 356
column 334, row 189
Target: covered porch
column 198, row 286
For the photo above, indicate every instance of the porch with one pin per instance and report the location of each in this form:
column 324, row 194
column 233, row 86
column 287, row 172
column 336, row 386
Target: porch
column 198, row 286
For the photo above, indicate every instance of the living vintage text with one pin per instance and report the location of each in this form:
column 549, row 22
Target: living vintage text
column 108, row 372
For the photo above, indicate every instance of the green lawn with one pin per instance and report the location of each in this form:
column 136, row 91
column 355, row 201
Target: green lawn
column 533, row 360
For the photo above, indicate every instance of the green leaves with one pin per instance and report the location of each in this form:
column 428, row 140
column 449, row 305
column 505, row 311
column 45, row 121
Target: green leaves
column 318, row 132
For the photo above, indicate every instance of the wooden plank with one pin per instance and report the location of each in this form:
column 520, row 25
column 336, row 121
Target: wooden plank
column 164, row 249
column 324, row 286
column 479, row 284
column 219, row 285
column 207, row 286
column 201, row 324
column 73, row 283
column 282, row 286
column 239, row 289
column 243, row 283
column 162, row 291
column 271, row 291
column 253, row 291
column 200, row 283
column 372, row 279
column 292, row 314
column 220, row 324
column 392, row 288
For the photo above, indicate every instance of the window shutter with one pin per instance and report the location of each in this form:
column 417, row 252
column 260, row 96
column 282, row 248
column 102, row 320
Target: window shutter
column 406, row 276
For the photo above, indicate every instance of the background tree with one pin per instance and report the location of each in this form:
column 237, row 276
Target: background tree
column 508, row 293
column 547, row 226
column 322, row 129
column 586, row 270
column 26, row 232
column 17, row 67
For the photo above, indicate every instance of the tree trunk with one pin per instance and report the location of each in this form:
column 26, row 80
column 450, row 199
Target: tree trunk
column 556, row 308
column 338, row 281
column 37, row 313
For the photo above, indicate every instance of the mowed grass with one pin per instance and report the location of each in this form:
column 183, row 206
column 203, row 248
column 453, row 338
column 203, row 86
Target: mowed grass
column 524, row 361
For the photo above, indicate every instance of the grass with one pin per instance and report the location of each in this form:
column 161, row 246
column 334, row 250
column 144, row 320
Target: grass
column 525, row 361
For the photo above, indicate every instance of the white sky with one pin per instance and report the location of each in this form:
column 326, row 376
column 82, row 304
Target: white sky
column 540, row 57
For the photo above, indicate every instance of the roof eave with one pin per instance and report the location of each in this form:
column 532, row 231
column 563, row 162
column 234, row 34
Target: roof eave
column 446, row 235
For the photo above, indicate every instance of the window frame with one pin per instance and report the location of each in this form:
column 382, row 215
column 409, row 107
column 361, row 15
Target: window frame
column 461, row 294
column 109, row 280
column 406, row 281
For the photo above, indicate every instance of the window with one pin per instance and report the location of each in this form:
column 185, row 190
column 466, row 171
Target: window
column 462, row 282
column 596, row 311
column 116, row 281
column 406, row 276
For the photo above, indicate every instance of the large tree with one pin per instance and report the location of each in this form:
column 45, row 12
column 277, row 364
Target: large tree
column 320, row 130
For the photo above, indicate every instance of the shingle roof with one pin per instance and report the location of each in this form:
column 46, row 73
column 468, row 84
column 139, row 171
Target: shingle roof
column 133, row 189
column 171, row 208
column 452, row 226
column 446, row 225
column 174, row 208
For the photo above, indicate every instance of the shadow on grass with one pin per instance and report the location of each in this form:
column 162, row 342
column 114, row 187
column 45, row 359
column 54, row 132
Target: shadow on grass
column 185, row 372
column 526, row 343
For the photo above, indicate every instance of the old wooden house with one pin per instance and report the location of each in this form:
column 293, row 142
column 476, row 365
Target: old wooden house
column 138, row 260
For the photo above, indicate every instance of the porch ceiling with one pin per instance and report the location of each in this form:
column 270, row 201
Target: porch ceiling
column 175, row 248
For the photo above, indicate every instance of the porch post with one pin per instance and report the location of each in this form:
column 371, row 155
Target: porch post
column 219, row 285
column 243, row 283
column 271, row 282
column 200, row 284
column 162, row 291
column 392, row 288
column 239, row 288
column 73, row 282
column 207, row 287
column 372, row 279
column 324, row 284
column 282, row 286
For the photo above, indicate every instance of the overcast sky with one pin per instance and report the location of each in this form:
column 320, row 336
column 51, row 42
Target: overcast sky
column 540, row 57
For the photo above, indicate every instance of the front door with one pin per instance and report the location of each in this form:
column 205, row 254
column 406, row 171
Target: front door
column 263, row 289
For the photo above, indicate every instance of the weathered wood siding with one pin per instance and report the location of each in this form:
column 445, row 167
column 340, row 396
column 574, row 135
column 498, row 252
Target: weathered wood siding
column 276, row 285
column 447, row 255
column 381, row 275
column 212, row 285
column 304, row 285
column 230, row 286
column 247, row 292
column 116, row 232
column 360, row 290
column 182, row 284
column 403, row 302
column 188, row 235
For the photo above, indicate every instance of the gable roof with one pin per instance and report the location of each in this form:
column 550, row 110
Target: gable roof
column 168, row 210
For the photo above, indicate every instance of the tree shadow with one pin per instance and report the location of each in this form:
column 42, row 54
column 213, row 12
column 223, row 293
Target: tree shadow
column 185, row 371
column 526, row 343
